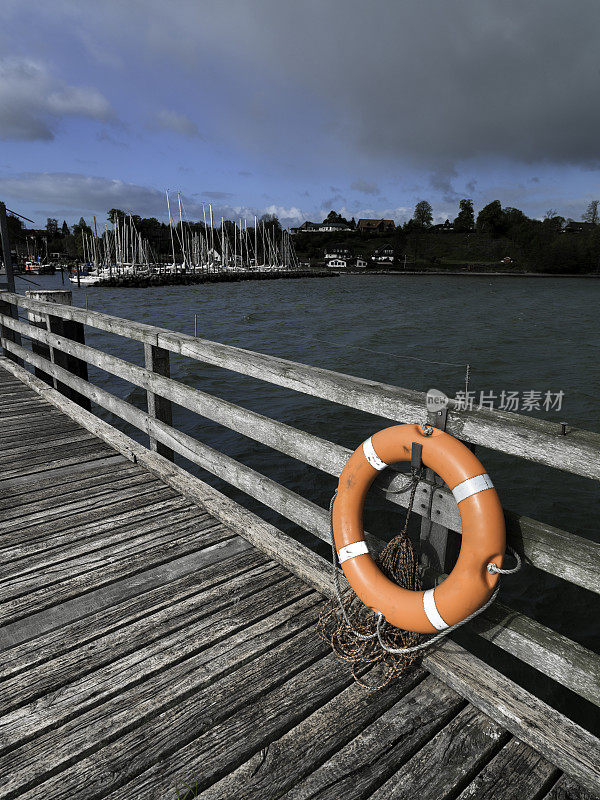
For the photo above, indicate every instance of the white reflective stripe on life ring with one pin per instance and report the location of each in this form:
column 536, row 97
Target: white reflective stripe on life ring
column 352, row 550
column 372, row 456
column 472, row 486
column 433, row 615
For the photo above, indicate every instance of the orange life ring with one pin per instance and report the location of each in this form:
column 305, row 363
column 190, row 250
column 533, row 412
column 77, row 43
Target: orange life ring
column 471, row 583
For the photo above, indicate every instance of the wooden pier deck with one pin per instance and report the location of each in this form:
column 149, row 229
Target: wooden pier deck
column 146, row 648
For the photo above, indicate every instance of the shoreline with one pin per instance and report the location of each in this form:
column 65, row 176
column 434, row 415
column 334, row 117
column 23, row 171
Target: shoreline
column 465, row 274
column 192, row 279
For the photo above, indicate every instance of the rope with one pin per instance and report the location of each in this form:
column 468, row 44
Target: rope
column 361, row 640
column 493, row 569
column 392, row 355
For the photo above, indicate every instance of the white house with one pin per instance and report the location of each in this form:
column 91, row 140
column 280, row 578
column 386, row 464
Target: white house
column 333, row 227
column 337, row 252
column 384, row 255
column 347, row 263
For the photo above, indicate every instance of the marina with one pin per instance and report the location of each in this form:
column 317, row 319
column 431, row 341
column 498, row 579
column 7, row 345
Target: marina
column 91, row 625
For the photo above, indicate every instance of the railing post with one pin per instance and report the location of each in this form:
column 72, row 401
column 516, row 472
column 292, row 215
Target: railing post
column 157, row 360
column 61, row 327
column 8, row 284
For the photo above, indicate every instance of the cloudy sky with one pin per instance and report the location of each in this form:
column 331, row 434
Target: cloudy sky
column 297, row 107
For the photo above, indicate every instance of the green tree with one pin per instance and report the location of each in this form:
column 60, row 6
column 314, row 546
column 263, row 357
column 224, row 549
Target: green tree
column 490, row 219
column 591, row 212
column 465, row 221
column 65, row 228
column 333, row 216
column 271, row 222
column 81, row 227
column 114, row 214
column 15, row 227
column 423, row 215
column 52, row 227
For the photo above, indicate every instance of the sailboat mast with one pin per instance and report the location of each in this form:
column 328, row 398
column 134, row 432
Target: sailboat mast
column 171, row 229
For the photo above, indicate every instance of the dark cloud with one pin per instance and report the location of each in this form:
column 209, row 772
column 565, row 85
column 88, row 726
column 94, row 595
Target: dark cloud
column 440, row 179
column 169, row 120
column 33, row 101
column 426, row 81
column 366, row 187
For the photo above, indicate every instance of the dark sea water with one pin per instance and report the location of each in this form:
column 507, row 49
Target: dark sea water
column 517, row 334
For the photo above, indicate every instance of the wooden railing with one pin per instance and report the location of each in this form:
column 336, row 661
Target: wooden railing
column 555, row 551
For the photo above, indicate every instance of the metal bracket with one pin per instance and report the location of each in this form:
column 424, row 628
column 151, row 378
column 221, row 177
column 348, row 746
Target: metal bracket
column 433, row 537
column 438, row 418
column 416, row 457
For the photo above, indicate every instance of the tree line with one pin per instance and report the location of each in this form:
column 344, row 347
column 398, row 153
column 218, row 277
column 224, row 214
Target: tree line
column 552, row 244
column 496, row 234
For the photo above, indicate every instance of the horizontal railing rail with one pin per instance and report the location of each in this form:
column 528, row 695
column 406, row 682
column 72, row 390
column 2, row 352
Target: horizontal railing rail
column 546, row 650
column 533, row 439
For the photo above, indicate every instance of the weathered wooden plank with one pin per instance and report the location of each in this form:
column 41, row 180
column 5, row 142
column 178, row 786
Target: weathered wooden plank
column 33, row 413
column 27, row 593
column 136, row 515
column 526, row 717
column 263, row 535
column 57, row 463
column 27, row 560
column 39, row 511
column 359, row 768
column 15, row 449
column 225, row 724
column 567, row 789
column 542, row 544
column 83, row 646
column 23, row 598
column 340, row 749
column 48, row 648
column 570, row 557
column 111, row 594
column 47, row 424
column 81, row 513
column 534, row 439
column 54, row 452
column 208, row 687
column 42, row 490
column 448, row 761
column 146, row 648
column 565, row 661
column 159, row 407
column 516, row 771
column 65, row 472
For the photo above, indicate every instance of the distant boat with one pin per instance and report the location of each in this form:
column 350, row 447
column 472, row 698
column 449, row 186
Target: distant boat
column 92, row 278
column 33, row 268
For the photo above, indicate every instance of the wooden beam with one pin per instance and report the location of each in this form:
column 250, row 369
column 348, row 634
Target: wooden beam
column 157, row 362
